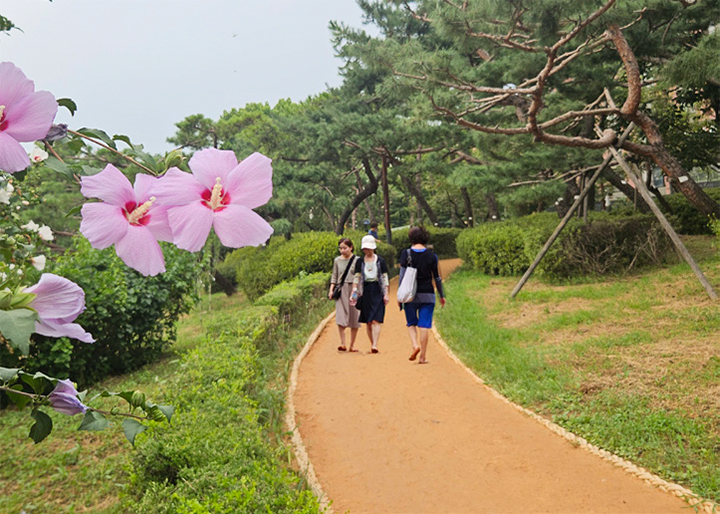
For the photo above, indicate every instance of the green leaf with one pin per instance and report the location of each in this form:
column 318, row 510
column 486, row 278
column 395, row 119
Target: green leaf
column 42, row 427
column 17, row 326
column 73, row 211
column 7, row 374
column 93, row 421
column 98, row 134
column 168, row 410
column 38, row 382
column 132, row 428
column 125, row 139
column 20, row 400
column 57, row 165
column 69, row 104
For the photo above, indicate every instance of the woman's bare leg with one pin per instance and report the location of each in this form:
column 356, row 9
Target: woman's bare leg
column 424, row 333
column 341, row 331
column 375, row 333
column 353, row 336
column 413, row 339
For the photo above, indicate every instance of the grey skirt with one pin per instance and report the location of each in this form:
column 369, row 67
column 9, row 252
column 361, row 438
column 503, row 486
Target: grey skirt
column 345, row 314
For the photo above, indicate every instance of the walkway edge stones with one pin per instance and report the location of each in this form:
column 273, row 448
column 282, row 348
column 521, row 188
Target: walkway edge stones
column 298, row 445
column 700, row 504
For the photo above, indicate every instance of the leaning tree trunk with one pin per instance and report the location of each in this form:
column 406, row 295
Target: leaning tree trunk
column 417, row 193
column 366, row 191
column 655, row 149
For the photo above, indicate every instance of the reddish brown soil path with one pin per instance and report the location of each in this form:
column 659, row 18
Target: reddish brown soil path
column 386, row 435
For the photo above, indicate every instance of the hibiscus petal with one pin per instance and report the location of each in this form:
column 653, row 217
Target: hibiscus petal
column 211, row 163
column 12, row 155
column 159, row 225
column 65, row 387
column 31, row 117
column 13, row 84
column 56, row 329
column 57, row 298
column 238, row 226
column 250, row 183
column 139, row 250
column 144, row 184
column 190, row 225
column 110, row 185
column 103, row 224
column 177, row 188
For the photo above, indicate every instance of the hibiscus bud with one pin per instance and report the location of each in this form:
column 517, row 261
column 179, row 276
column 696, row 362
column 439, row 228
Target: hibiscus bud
column 64, row 399
column 156, row 414
column 137, row 399
column 56, row 132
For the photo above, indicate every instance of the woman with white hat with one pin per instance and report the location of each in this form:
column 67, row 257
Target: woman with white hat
column 370, row 291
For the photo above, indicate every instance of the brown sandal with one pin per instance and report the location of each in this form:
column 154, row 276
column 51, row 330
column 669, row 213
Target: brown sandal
column 414, row 354
column 341, row 348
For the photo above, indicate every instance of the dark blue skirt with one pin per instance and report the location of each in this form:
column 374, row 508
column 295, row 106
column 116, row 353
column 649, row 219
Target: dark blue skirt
column 373, row 307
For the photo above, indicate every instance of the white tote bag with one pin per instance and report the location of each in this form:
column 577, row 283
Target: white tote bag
column 408, row 287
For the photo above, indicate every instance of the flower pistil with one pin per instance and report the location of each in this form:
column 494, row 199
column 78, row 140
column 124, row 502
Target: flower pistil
column 136, row 215
column 218, row 198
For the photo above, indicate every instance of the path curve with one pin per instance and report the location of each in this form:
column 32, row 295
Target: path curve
column 378, row 433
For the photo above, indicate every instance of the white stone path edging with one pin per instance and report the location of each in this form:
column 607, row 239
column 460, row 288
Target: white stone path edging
column 697, row 503
column 301, row 454
column 306, row 467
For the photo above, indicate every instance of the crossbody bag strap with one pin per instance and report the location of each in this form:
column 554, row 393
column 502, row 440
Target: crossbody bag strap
column 345, row 273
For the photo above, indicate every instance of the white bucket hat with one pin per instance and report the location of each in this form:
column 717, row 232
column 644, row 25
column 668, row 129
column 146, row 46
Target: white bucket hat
column 368, row 241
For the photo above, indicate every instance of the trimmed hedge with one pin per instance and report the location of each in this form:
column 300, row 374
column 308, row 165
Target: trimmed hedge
column 258, row 269
column 215, row 456
column 442, row 241
column 605, row 245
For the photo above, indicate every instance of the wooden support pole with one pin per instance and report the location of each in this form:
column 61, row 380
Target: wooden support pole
column 569, row 214
column 642, row 189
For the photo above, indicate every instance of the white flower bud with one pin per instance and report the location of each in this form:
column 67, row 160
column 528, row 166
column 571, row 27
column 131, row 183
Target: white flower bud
column 38, row 262
column 46, row 233
column 38, row 154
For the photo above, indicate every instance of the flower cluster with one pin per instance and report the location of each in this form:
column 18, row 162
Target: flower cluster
column 179, row 207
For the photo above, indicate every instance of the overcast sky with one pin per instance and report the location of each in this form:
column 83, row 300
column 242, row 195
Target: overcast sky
column 137, row 67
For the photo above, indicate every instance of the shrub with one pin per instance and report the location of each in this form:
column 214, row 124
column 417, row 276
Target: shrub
column 494, row 248
column 308, row 252
column 442, row 241
column 215, row 456
column 608, row 244
column 687, row 219
column 132, row 317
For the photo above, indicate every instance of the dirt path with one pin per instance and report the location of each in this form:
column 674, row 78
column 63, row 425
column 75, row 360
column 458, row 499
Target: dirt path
column 388, row 435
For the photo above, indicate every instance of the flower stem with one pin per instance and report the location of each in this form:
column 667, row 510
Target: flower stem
column 106, row 147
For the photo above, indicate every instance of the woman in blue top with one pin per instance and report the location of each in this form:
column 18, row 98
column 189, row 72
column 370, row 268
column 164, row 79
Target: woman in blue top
column 419, row 312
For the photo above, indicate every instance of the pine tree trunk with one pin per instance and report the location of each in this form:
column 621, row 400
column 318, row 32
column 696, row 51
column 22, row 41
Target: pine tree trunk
column 493, row 211
column 468, row 207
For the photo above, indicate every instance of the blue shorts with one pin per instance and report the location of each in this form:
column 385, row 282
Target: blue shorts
column 419, row 314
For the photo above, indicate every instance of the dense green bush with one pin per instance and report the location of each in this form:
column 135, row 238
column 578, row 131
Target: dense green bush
column 132, row 317
column 494, row 248
column 442, row 241
column 257, row 270
column 215, row 456
column 605, row 245
column 687, row 219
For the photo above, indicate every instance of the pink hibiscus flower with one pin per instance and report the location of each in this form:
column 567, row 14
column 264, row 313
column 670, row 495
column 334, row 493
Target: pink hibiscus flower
column 127, row 218
column 58, row 301
column 25, row 115
column 64, row 399
column 219, row 194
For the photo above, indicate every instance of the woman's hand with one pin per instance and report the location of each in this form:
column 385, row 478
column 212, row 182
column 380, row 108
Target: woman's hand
column 442, row 302
column 386, row 298
column 330, row 293
column 353, row 297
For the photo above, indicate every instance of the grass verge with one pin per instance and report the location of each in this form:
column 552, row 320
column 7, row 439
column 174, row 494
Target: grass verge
column 632, row 364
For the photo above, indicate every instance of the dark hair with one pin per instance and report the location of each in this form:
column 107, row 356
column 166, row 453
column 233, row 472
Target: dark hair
column 373, row 224
column 347, row 242
column 418, row 235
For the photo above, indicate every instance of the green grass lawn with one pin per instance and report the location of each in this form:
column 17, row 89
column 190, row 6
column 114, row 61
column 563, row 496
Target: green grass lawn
column 74, row 471
column 630, row 363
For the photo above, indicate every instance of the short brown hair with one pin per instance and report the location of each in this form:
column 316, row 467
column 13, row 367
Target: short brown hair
column 418, row 236
column 347, row 242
